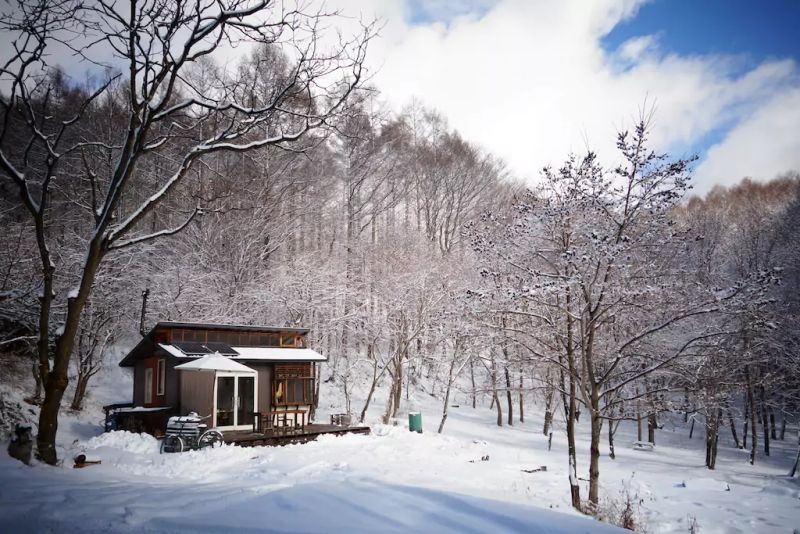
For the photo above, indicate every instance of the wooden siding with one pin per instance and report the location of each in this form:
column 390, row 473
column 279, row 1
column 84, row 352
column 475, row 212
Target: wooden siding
column 196, row 392
column 172, row 395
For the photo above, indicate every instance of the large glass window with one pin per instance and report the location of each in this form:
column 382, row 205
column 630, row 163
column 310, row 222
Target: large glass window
column 294, row 384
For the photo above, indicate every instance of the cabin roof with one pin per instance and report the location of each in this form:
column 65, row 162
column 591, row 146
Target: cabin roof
column 148, row 346
column 268, row 354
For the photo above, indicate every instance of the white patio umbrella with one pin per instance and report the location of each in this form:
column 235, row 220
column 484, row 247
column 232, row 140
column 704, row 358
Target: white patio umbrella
column 216, row 362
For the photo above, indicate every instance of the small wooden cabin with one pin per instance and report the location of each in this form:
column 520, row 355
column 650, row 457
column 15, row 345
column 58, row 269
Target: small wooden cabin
column 278, row 374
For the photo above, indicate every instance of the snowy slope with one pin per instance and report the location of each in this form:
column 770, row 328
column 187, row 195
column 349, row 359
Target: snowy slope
column 392, row 481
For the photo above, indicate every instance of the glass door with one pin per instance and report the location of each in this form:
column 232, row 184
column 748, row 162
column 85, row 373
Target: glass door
column 247, row 397
column 236, row 401
column 226, row 395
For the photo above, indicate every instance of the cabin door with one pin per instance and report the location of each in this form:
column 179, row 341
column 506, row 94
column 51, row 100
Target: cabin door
column 234, row 401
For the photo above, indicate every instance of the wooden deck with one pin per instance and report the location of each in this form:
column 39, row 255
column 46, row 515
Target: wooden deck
column 246, row 438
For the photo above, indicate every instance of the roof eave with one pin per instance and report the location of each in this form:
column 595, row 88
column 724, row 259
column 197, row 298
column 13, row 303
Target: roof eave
column 238, row 327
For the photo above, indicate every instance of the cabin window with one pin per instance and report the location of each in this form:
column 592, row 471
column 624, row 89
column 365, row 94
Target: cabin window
column 287, row 341
column 294, row 391
column 148, row 385
column 294, row 384
column 161, row 377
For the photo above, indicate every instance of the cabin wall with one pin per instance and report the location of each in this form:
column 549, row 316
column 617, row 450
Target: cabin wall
column 171, row 396
column 196, row 392
column 138, row 383
column 172, row 393
column 264, row 384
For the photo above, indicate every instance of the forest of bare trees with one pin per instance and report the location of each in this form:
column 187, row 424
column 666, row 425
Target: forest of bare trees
column 282, row 191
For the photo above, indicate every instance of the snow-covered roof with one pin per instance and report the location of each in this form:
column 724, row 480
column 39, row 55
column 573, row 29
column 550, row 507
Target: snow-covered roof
column 267, row 354
column 175, row 351
column 215, row 362
column 278, row 354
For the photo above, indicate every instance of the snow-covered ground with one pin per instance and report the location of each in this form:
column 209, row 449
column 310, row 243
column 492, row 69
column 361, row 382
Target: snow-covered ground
column 393, row 481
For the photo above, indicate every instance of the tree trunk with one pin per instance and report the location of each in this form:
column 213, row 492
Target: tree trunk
column 317, row 380
column 521, row 400
column 732, row 423
column 712, row 438
column 772, row 431
column 686, row 405
column 639, row 418
column 744, row 427
column 447, row 392
column 752, row 404
column 594, row 451
column 472, row 377
column 495, row 398
column 765, row 423
column 612, row 428
column 574, row 488
column 37, row 390
column 691, row 428
column 372, row 386
column 548, row 412
column 797, row 458
column 80, row 392
column 398, row 396
column 509, row 398
column 346, row 391
column 48, row 417
column 651, row 428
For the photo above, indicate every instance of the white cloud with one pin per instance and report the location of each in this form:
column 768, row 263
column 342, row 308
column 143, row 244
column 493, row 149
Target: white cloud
column 763, row 145
column 531, row 82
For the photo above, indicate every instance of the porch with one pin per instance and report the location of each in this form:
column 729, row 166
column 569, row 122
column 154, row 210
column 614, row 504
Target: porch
column 279, row 436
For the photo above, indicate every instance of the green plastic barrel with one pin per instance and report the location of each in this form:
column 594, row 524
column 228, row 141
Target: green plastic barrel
column 415, row 422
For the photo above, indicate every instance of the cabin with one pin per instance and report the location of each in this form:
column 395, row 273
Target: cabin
column 247, row 378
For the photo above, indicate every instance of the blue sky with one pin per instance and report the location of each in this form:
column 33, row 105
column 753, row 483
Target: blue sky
column 754, row 30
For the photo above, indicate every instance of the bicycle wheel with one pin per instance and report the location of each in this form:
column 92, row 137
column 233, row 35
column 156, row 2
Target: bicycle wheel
column 210, row 438
column 171, row 444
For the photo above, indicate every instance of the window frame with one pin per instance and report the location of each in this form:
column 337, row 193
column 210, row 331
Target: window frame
column 161, row 377
column 286, row 376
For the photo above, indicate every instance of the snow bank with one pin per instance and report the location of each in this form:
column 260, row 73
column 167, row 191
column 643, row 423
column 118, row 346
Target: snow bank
column 125, row 441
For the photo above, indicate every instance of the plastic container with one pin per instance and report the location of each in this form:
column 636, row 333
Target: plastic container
column 415, row 422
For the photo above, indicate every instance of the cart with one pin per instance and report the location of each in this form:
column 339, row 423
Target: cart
column 189, row 432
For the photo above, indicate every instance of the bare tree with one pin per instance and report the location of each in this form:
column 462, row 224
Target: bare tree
column 168, row 108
